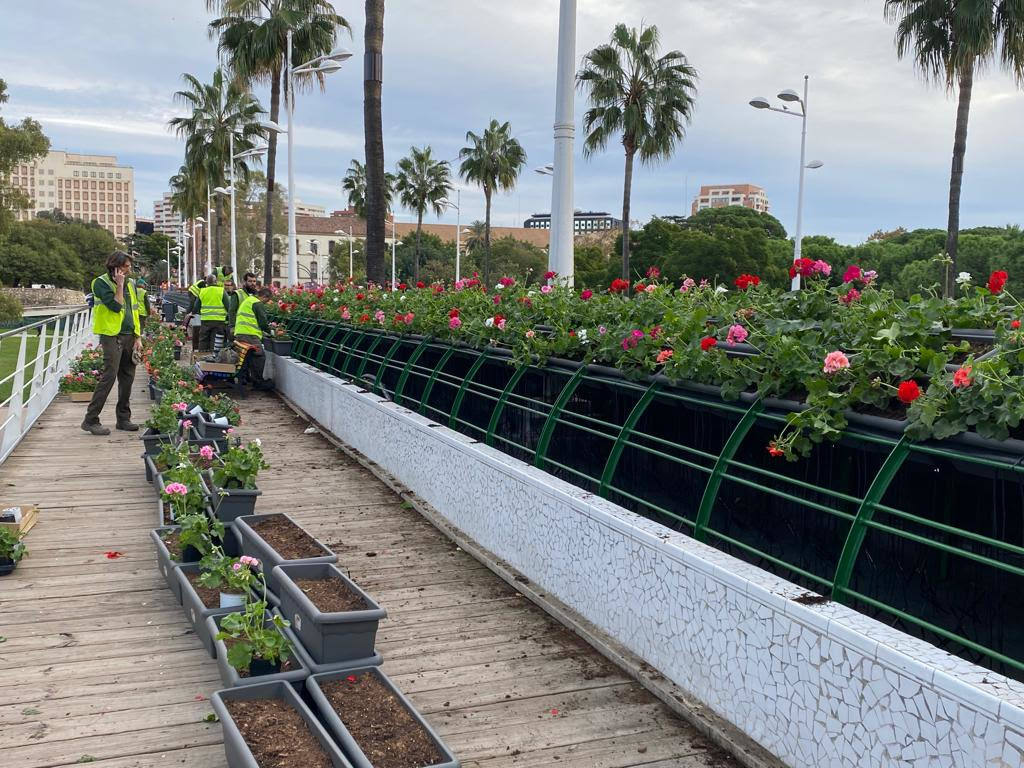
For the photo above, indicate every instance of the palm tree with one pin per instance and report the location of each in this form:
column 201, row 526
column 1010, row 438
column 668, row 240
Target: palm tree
column 188, row 193
column 950, row 40
column 422, row 183
column 254, row 36
column 493, row 160
column 475, row 238
column 373, row 134
column 643, row 96
column 354, row 187
column 218, row 110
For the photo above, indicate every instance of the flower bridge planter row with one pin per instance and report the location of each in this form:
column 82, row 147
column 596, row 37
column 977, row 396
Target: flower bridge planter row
column 252, row 544
column 230, row 503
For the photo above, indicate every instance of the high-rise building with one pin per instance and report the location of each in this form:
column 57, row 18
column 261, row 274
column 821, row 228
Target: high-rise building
column 722, row 195
column 88, row 187
column 582, row 221
column 305, row 209
column 166, row 220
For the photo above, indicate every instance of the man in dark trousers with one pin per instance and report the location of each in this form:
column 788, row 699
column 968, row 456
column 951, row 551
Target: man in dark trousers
column 115, row 319
column 251, row 324
column 212, row 307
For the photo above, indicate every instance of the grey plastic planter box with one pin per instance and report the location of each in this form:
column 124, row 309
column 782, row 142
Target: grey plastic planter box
column 282, row 347
column 254, row 546
column 150, row 469
column 154, row 441
column 206, row 428
column 328, row 638
column 235, row 748
column 164, row 563
column 230, row 677
column 230, row 503
column 338, row 730
column 195, row 610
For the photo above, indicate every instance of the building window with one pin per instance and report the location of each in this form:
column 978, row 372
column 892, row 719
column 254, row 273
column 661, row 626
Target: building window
column 312, row 270
column 277, row 268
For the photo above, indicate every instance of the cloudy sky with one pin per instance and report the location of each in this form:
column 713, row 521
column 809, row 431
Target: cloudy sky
column 100, row 76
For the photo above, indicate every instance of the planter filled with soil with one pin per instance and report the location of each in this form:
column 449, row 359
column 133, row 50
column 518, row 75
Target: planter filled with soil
column 199, row 603
column 154, row 441
column 155, row 393
column 289, row 669
column 230, row 503
column 335, row 620
column 277, row 539
column 282, row 347
column 269, row 725
column 374, row 723
column 169, row 555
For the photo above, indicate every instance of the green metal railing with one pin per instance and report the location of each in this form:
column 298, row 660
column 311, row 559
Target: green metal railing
column 544, row 416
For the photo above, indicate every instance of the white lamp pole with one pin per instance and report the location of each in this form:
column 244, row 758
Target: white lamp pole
column 560, row 252
column 350, row 244
column 234, row 244
column 206, row 231
column 394, row 244
column 194, row 261
column 760, row 102
column 458, row 230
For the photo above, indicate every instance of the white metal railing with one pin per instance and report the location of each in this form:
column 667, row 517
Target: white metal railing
column 60, row 339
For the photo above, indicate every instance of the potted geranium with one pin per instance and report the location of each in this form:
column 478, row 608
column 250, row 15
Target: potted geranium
column 161, row 428
column 278, row 341
column 253, row 646
column 11, row 550
column 234, row 577
column 233, row 480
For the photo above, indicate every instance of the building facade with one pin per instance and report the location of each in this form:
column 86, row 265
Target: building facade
column 166, row 220
column 722, row 195
column 582, row 221
column 88, row 187
column 305, row 209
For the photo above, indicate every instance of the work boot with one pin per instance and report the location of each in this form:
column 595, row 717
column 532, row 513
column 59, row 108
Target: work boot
column 95, row 429
column 127, row 426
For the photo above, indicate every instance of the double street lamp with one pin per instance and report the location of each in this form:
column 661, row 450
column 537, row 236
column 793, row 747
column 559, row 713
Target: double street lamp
column 789, row 97
column 458, row 231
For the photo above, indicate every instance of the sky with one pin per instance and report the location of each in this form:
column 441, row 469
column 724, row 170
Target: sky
column 101, row 77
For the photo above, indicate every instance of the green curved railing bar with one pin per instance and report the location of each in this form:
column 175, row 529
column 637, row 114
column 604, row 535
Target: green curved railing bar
column 453, row 417
column 410, row 363
column 327, row 341
column 549, row 425
column 301, row 337
column 384, row 365
column 612, row 462
column 367, row 354
column 353, row 348
column 422, row 406
column 858, row 529
column 707, row 502
column 502, row 400
column 337, row 351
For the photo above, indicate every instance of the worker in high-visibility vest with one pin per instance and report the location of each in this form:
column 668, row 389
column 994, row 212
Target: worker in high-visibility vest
column 251, row 323
column 193, row 291
column 212, row 308
column 144, row 309
column 233, row 298
column 115, row 319
column 223, row 273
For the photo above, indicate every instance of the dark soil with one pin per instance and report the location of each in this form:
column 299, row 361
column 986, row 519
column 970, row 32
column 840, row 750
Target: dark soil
column 287, row 539
column 331, row 595
column 209, row 597
column 894, row 410
column 977, row 348
column 173, row 545
column 380, row 725
column 277, row 734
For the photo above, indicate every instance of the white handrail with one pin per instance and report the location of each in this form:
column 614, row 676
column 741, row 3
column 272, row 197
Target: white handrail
column 60, row 340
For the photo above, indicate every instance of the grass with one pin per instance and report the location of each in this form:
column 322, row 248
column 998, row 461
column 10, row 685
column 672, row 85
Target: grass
column 9, row 349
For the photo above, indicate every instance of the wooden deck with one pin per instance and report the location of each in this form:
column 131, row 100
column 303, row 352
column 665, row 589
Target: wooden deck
column 99, row 662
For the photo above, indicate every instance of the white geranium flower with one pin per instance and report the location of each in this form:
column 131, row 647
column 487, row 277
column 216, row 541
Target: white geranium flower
column 489, row 322
column 258, row 442
column 499, row 287
column 964, row 278
column 721, row 289
column 581, row 334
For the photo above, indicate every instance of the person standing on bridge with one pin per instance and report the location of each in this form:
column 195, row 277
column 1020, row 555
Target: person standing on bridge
column 251, row 323
column 115, row 319
column 212, row 306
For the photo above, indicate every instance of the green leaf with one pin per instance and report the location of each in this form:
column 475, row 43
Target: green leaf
column 30, row 711
column 211, row 717
column 86, row 759
column 240, row 655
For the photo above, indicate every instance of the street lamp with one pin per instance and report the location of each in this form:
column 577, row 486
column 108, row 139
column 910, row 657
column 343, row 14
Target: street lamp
column 790, row 96
column 321, row 65
column 545, row 170
column 458, row 230
column 177, row 251
column 243, row 155
column 185, row 236
column 560, row 253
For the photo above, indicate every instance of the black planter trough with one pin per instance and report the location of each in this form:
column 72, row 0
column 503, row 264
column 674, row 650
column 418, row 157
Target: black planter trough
column 165, row 563
column 252, row 544
column 237, row 751
column 282, row 347
column 338, row 730
column 229, row 675
column 154, row 441
column 207, row 427
column 329, row 638
column 7, row 566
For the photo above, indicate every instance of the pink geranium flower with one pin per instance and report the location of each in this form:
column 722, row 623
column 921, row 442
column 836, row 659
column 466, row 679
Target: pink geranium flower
column 737, row 334
column 835, row 361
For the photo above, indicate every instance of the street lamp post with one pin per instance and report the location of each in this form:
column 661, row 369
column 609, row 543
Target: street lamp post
column 206, row 231
column 230, row 192
column 790, row 96
column 394, row 244
column 560, row 251
column 458, row 230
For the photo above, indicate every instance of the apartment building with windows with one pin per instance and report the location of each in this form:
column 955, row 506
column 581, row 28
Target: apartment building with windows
column 88, row 187
column 582, row 221
column 722, row 195
column 166, row 220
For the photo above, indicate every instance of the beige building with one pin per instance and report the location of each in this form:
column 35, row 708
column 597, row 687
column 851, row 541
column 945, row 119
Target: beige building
column 166, row 220
column 722, row 195
column 306, row 209
column 88, row 187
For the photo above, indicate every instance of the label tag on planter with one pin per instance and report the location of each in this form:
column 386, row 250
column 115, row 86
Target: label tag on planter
column 220, row 421
column 298, row 623
column 11, row 515
column 196, row 411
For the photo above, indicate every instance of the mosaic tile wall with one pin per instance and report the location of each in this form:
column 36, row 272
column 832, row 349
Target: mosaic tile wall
column 817, row 685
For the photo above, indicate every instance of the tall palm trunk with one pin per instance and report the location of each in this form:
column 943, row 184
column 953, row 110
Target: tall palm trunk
column 416, row 264
column 374, row 139
column 627, row 188
column 957, row 174
column 275, row 111
column 487, row 239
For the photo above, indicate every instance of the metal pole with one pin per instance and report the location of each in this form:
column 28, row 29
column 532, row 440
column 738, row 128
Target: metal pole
column 560, row 253
column 293, row 270
column 458, row 232
column 798, row 248
column 195, row 264
column 350, row 253
column 168, row 265
column 394, row 242
column 234, row 244
column 206, row 232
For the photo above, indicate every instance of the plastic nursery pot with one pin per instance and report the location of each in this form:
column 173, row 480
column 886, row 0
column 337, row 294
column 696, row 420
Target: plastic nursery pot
column 329, row 638
column 282, row 347
column 337, row 728
column 237, row 751
column 230, row 503
column 196, row 611
column 165, row 562
column 7, row 566
column 292, row 668
column 255, row 546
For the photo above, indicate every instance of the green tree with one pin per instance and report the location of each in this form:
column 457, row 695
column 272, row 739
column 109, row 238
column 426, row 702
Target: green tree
column 250, row 222
column 254, row 35
column 949, row 41
column 19, row 144
column 354, row 187
column 150, row 254
column 476, row 237
column 646, row 98
column 517, row 258
column 373, row 140
column 493, row 160
column 738, row 217
column 337, row 261
column 591, row 268
column 34, row 254
column 437, row 258
column 422, row 184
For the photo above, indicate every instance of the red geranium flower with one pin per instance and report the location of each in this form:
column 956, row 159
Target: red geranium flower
column 774, row 450
column 364, row 318
column 708, row 342
column 453, row 312
column 619, row 285
column 745, row 281
column 805, row 267
column 996, row 281
column 360, row 296
column 653, row 273
column 962, row 377
column 908, row 392
column 549, row 275
column 402, row 286
column 852, row 273
column 1015, row 324
column 420, row 284
column 586, row 294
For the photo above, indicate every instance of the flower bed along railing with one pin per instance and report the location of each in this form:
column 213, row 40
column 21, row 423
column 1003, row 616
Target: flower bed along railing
column 925, row 536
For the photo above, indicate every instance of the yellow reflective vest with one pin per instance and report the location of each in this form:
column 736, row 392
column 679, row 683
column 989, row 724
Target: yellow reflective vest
column 246, row 323
column 108, row 323
column 212, row 299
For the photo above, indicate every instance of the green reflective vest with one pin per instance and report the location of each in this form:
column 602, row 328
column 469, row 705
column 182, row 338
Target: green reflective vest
column 143, row 312
column 212, row 299
column 246, row 323
column 107, row 323
column 194, row 288
column 221, row 277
